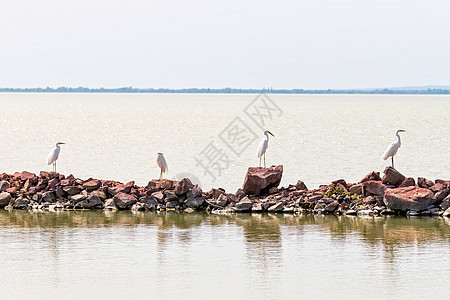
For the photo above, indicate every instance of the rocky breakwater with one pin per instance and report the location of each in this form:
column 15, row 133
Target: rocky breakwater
column 373, row 195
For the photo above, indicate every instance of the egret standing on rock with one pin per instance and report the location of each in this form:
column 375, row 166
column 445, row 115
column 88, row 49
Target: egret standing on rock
column 393, row 148
column 263, row 147
column 162, row 164
column 53, row 155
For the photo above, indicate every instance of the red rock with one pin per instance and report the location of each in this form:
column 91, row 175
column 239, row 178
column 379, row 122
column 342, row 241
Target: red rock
column 408, row 182
column 340, row 182
column 438, row 187
column 424, row 183
column 444, row 182
column 183, row 186
column 408, row 198
column 27, row 175
column 71, row 190
column 259, row 180
column 374, row 188
column 43, row 174
column 92, row 185
column 301, row 185
column 392, row 176
column 371, row 176
column 124, row 201
column 165, row 184
column 12, row 190
column 52, row 183
column 4, row 185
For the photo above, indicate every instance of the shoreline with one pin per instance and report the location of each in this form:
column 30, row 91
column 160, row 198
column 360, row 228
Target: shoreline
column 392, row 194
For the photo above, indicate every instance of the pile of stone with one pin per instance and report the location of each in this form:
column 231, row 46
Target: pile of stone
column 373, row 195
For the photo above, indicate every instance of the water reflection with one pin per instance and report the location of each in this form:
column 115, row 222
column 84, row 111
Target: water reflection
column 263, row 230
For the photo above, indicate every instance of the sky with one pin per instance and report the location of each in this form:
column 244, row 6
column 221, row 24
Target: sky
column 313, row 44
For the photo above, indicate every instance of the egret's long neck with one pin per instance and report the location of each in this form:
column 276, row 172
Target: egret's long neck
column 399, row 141
column 267, row 136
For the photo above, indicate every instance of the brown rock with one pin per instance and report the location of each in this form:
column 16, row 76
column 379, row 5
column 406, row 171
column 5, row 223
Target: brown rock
column 301, row 185
column 71, row 190
column 52, row 183
column 259, row 180
column 164, row 184
column 371, row 176
column 195, row 203
column 408, row 182
column 124, row 201
column 374, row 187
column 244, row 205
column 277, row 207
column 5, row 197
column 392, row 176
column 183, row 186
column 27, row 175
column 356, row 189
column 424, row 183
column 92, row 185
column 4, row 185
column 408, row 198
column 91, row 202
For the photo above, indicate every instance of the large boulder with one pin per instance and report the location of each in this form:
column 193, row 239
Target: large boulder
column 258, row 181
column 92, row 185
column 408, row 198
column 195, row 203
column 91, row 202
column 183, row 186
column 124, row 201
column 392, row 176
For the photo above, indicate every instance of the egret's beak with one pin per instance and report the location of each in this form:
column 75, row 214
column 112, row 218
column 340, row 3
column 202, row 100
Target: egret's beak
column 401, row 130
column 270, row 133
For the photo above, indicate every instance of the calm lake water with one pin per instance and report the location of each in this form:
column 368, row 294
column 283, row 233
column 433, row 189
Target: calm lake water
column 101, row 255
column 121, row 255
column 317, row 138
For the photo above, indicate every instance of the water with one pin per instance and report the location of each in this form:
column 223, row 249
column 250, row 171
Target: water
column 317, row 138
column 100, row 255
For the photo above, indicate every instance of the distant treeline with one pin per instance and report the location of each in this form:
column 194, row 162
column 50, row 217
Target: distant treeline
column 223, row 91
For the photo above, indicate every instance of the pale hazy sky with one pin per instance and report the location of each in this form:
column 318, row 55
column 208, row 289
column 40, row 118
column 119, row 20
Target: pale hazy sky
column 234, row 43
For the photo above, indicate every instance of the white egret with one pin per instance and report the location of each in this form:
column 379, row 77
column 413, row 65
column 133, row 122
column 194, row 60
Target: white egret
column 53, row 155
column 162, row 164
column 393, row 148
column 263, row 147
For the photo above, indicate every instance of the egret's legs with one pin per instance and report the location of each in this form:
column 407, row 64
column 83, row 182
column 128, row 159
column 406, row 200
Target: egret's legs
column 160, row 175
column 264, row 160
column 392, row 161
column 54, row 166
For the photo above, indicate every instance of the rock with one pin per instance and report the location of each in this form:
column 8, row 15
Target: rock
column 387, row 211
column 356, row 189
column 27, row 175
column 21, row 203
column 92, row 185
column 412, row 213
column 159, row 196
column 301, row 185
column 124, row 201
column 409, row 181
column 408, row 198
column 71, row 190
column 371, row 176
column 277, row 207
column 195, row 203
column 222, row 200
column 439, row 196
column 331, row 207
column 78, row 197
column 315, row 198
column 4, row 185
column 438, row 187
column 149, row 203
column 351, row 212
column 374, row 187
column 244, row 205
column 259, row 180
column 164, row 184
column 59, row 192
column 170, row 196
column 446, row 213
column 392, row 176
column 110, row 205
column 215, row 193
column 48, row 197
column 445, row 203
column 172, row 204
column 183, row 186
column 91, row 202
column 101, row 194
column 365, row 212
column 194, row 192
column 424, row 183
column 5, row 197
column 289, row 210
column 341, row 183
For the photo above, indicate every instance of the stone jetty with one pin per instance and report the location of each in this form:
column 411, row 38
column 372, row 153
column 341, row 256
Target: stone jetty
column 392, row 193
